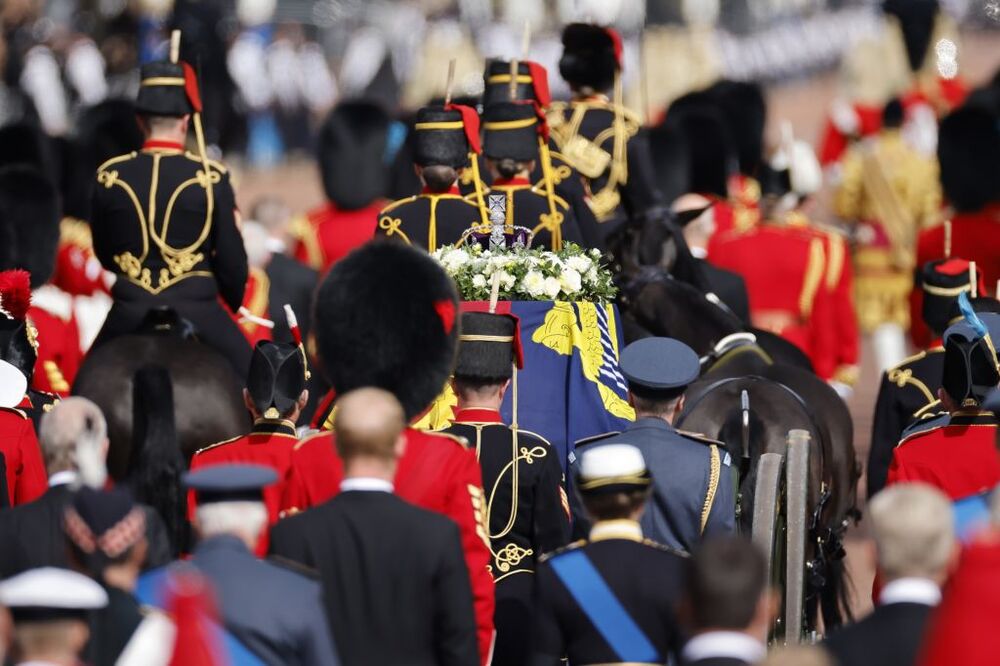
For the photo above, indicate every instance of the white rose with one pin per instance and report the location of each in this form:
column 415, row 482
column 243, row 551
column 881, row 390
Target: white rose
column 595, row 253
column 479, row 281
column 579, row 263
column 455, row 259
column 507, row 280
column 533, row 284
column 592, row 275
column 570, row 281
column 552, row 288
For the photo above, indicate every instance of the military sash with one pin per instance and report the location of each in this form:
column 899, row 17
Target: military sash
column 602, row 608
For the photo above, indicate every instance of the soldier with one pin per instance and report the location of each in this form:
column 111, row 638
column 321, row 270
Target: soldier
column 353, row 149
column 912, row 386
column 969, row 154
column 526, row 507
column 406, row 345
column 512, row 136
column 25, row 478
column 598, row 136
column 445, row 137
column 956, row 451
column 693, row 487
column 164, row 222
column 591, row 608
column 888, row 191
column 275, row 393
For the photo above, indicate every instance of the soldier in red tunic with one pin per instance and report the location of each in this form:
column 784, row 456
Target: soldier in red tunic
column 956, row 451
column 354, row 149
column 275, row 393
column 386, row 316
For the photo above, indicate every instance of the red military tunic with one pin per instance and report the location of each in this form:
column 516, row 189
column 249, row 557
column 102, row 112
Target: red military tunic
column 975, row 237
column 269, row 443
column 784, row 269
column 327, row 234
column 835, row 141
column 256, row 299
column 26, row 478
column 437, row 472
column 78, row 271
column 955, row 453
column 59, row 354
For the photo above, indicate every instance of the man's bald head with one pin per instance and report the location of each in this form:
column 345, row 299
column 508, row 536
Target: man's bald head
column 72, row 424
column 369, row 424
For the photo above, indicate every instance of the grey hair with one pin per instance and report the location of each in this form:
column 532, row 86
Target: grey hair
column 914, row 529
column 244, row 519
column 72, row 437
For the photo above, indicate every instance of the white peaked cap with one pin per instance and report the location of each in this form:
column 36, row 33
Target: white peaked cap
column 612, row 466
column 13, row 384
column 49, row 587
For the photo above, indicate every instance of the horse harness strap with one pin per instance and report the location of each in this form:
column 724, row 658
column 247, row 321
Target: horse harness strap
column 715, row 471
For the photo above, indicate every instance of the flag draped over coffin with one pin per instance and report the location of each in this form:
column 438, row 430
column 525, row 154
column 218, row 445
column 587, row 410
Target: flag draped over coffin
column 570, row 387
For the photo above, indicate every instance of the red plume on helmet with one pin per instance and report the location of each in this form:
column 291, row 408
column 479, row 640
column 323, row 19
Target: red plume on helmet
column 15, row 293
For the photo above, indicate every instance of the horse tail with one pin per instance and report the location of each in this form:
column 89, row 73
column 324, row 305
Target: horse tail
column 157, row 463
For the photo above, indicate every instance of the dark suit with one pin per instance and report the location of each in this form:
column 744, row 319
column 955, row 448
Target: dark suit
column 644, row 577
column 153, row 228
column 891, row 635
column 276, row 613
column 394, row 579
column 112, row 627
column 729, row 287
column 292, row 282
column 32, row 535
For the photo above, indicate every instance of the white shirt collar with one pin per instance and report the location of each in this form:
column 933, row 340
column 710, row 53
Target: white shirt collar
column 275, row 245
column 911, row 590
column 725, row 644
column 63, row 478
column 616, row 529
column 366, row 483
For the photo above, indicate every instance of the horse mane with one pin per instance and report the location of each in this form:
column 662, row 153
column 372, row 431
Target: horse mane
column 156, row 464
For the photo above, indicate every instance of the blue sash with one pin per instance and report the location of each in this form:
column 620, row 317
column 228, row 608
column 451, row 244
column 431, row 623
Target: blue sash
column 972, row 514
column 601, row 606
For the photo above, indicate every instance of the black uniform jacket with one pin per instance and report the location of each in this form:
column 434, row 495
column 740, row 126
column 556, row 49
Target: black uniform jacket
column 905, row 392
column 618, row 186
column 394, row 579
column 167, row 230
column 892, row 634
column 429, row 220
column 646, row 579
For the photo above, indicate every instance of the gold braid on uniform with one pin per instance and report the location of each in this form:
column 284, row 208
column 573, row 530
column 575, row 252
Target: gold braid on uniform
column 715, row 471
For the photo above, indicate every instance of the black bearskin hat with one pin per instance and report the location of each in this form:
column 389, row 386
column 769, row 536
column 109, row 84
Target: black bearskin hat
column 969, row 153
column 488, row 348
column 510, row 130
column 29, row 208
column 163, row 90
column 26, row 144
column 352, row 154
column 532, row 83
column 916, row 19
column 276, row 378
column 744, row 110
column 710, row 157
column 591, row 56
column 970, row 361
column 108, row 130
column 17, row 337
column 942, row 281
column 386, row 316
column 440, row 138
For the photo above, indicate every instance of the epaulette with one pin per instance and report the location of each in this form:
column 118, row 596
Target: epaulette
column 522, row 431
column 595, row 438
column 305, row 440
column 927, row 425
column 565, row 549
column 15, row 410
column 294, row 567
column 928, row 411
column 218, row 444
column 700, row 438
column 463, row 442
column 396, row 204
column 116, row 160
column 218, row 166
column 659, row 546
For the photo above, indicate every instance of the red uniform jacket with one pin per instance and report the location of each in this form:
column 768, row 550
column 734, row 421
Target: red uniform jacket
column 26, row 478
column 974, row 236
column 256, row 299
column 437, row 473
column 78, row 271
column 269, row 443
column 958, row 455
column 325, row 235
column 59, row 354
column 784, row 269
column 963, row 630
column 835, row 142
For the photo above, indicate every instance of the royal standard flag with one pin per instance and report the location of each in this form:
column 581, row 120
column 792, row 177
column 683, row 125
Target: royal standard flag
column 570, row 387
